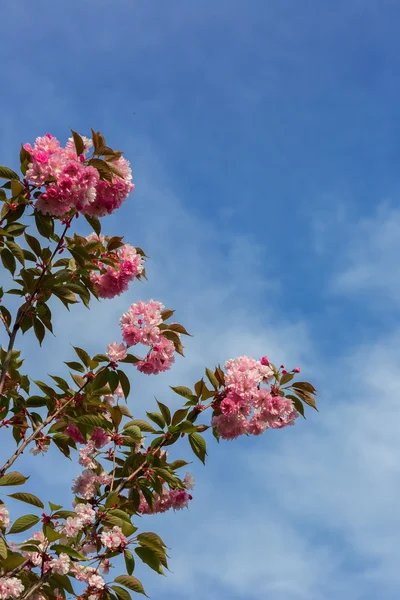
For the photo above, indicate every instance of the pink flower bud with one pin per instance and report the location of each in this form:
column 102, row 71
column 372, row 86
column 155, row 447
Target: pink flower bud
column 265, row 361
column 296, row 370
column 284, row 372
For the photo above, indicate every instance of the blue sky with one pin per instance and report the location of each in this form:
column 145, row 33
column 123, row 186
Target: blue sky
column 263, row 137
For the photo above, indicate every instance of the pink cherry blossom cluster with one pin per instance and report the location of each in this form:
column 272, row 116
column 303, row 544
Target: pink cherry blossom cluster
column 90, row 576
column 170, row 498
column 85, row 484
column 140, row 325
column 247, row 407
column 113, row 281
column 4, row 516
column 10, row 587
column 73, row 525
column 113, row 538
column 71, row 183
column 99, row 437
column 63, row 565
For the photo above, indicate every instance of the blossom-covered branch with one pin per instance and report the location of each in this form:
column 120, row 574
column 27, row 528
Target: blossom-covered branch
column 126, row 468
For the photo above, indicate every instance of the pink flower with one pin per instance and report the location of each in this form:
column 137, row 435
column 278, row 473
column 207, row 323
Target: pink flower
column 85, row 456
column 105, row 566
column 116, row 352
column 118, row 391
column 113, row 281
column 265, row 361
column 4, row 516
column 159, row 359
column 175, row 499
column 72, row 527
column 84, row 485
column 140, row 323
column 230, row 427
column 113, row 538
column 188, row 481
column 296, row 370
column 70, row 183
column 111, row 195
column 85, row 513
column 100, row 437
column 74, row 433
column 96, row 581
column 10, row 587
column 88, row 549
column 60, row 565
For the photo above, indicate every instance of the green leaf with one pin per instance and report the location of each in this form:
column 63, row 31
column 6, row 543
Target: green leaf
column 127, row 528
column 102, row 167
column 167, row 314
column 83, row 355
column 212, row 378
column 150, row 539
column 58, row 548
column 39, row 329
column 187, row 427
column 184, row 391
column 304, row 386
column 65, row 294
column 165, row 412
column 17, row 252
column 80, row 381
column 198, row 445
column 28, row 498
column 79, row 143
column 95, row 420
column 8, row 260
column 36, row 401
column 178, row 328
column 124, row 381
column 307, row 398
column 121, row 593
column 286, row 377
column 121, row 514
column 101, row 358
column 150, row 558
column 24, row 523
column 12, row 561
column 179, row 416
column 132, row 583
column 129, row 562
column 15, row 229
column 297, row 403
column 100, row 380
column 94, row 223
column 130, row 359
column 62, row 582
column 13, row 478
column 178, row 464
column 6, row 173
column 44, row 224
column 75, row 366
column 198, row 387
column 143, row 425
column 156, row 418
column 134, row 433
column 3, row 549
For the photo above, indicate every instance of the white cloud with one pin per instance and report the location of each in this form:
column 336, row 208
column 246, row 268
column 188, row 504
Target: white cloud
column 367, row 257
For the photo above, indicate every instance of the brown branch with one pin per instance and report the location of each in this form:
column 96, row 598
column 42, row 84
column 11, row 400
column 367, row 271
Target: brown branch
column 37, row 586
column 40, row 427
